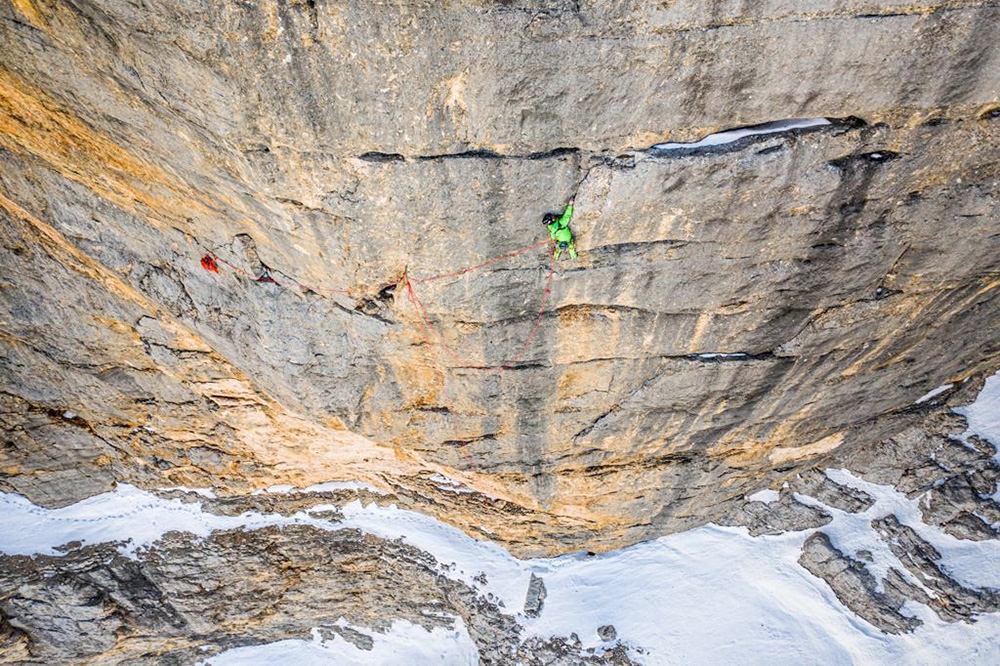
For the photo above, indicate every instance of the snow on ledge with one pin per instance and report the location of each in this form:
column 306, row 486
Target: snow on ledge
column 723, row 355
column 931, row 394
column 729, row 136
column 766, row 496
column 329, row 486
column 127, row 515
column 207, row 493
column 449, row 485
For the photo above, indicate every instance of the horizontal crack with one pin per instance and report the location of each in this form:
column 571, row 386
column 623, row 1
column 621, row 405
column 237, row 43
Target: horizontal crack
column 381, row 157
column 812, row 18
column 646, row 463
column 755, row 134
column 636, row 245
column 532, row 365
column 469, row 440
column 835, row 125
column 729, row 357
column 481, row 153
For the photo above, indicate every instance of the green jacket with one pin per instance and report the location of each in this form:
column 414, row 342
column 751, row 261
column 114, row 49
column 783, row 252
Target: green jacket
column 559, row 230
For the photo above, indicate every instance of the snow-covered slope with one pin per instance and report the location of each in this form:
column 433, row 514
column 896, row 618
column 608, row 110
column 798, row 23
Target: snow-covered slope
column 709, row 595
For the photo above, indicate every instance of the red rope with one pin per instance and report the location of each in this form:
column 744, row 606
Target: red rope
column 425, row 319
column 428, row 328
column 271, row 278
column 482, row 265
column 534, row 329
column 463, row 271
column 426, row 322
column 541, row 313
column 237, row 269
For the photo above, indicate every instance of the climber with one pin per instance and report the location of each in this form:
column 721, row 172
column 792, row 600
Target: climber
column 560, row 231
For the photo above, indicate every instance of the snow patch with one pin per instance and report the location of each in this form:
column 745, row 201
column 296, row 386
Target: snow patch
column 766, row 496
column 729, row 136
column 446, row 480
column 717, row 595
column 329, row 486
column 971, row 563
column 930, row 394
column 450, row 485
column 983, row 415
column 127, row 515
column 403, row 643
column 453, row 489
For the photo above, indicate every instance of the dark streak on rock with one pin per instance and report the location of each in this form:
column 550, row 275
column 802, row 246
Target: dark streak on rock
column 469, row 440
column 381, row 157
column 466, row 155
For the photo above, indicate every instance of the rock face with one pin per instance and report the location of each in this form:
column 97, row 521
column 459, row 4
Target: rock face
column 740, row 317
column 737, row 314
column 880, row 602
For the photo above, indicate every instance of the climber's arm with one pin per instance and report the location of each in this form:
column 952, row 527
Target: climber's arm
column 567, row 214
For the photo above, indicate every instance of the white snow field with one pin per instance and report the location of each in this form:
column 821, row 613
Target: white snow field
column 713, row 595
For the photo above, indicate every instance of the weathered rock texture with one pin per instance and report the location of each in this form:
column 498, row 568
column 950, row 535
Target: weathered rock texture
column 854, row 266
